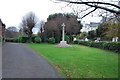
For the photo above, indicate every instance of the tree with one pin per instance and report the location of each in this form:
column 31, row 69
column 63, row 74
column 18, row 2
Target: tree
column 11, row 32
column 41, row 26
column 91, row 35
column 83, row 35
column 108, row 30
column 28, row 23
column 53, row 26
column 100, row 31
column 41, row 30
column 12, row 29
column 113, row 30
column 91, row 6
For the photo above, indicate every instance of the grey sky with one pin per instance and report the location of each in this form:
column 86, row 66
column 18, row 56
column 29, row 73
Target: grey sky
column 12, row 11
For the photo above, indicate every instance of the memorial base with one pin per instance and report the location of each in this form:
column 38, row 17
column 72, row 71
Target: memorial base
column 63, row 44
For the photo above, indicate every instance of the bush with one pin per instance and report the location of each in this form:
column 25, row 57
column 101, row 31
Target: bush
column 97, row 44
column 86, row 43
column 76, row 42
column 21, row 39
column 111, row 46
column 37, row 39
column 67, row 39
column 16, row 39
column 51, row 40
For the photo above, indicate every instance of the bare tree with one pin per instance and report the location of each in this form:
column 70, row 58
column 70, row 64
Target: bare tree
column 28, row 23
column 41, row 26
column 83, row 8
column 12, row 29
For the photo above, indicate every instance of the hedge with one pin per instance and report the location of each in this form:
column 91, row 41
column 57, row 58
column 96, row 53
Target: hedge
column 111, row 46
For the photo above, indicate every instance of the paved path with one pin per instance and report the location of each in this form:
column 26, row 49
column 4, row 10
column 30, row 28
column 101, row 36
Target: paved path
column 21, row 62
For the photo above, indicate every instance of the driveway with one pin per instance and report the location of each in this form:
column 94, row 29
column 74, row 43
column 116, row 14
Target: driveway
column 18, row 61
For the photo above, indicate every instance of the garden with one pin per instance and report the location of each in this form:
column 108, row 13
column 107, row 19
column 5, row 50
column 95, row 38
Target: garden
column 85, row 59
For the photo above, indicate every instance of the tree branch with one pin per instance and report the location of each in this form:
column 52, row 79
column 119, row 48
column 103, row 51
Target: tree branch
column 104, row 8
column 91, row 4
column 95, row 3
column 89, row 13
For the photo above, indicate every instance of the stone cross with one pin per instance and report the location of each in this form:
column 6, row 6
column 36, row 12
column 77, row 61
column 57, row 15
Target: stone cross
column 63, row 32
column 63, row 43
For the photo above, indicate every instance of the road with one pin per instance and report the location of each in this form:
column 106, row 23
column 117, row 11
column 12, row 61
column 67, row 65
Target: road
column 18, row 61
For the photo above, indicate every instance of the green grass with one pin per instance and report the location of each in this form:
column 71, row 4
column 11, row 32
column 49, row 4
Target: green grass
column 79, row 61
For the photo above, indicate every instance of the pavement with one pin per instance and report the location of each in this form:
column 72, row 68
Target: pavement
column 18, row 61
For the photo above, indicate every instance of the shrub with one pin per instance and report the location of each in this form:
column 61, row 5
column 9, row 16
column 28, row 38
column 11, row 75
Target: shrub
column 96, row 44
column 76, row 42
column 16, row 39
column 106, row 46
column 86, row 43
column 51, row 40
column 111, row 46
column 37, row 39
column 67, row 39
column 21, row 39
column 33, row 39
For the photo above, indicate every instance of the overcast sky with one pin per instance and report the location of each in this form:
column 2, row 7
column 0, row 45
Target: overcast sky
column 12, row 11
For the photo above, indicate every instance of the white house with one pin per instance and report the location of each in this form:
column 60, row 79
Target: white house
column 91, row 26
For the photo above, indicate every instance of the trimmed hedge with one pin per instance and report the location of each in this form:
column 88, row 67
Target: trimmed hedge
column 111, row 46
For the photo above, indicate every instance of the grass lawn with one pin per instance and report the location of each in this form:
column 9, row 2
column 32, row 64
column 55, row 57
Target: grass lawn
column 79, row 61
